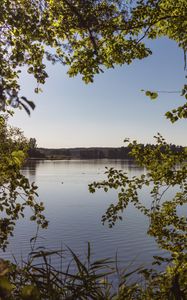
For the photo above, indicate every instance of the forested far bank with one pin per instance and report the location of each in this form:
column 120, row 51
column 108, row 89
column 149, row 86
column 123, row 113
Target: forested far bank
column 88, row 153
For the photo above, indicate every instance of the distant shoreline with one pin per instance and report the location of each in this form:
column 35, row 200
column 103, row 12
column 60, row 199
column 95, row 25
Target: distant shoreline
column 80, row 153
column 86, row 153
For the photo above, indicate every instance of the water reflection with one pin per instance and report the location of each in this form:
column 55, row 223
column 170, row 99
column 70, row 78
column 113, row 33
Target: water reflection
column 31, row 166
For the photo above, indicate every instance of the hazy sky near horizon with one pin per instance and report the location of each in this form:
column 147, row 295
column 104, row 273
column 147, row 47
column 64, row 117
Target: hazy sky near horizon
column 70, row 113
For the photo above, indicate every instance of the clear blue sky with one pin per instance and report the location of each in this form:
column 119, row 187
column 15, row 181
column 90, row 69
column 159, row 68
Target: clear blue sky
column 71, row 114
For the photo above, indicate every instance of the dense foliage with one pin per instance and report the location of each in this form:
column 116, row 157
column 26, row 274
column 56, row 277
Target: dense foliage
column 16, row 193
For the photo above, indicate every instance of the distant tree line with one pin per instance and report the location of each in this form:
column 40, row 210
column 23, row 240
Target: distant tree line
column 86, row 153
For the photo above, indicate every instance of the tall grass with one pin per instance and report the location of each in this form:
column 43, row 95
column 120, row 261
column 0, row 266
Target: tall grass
column 85, row 279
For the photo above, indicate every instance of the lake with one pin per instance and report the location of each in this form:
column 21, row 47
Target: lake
column 75, row 214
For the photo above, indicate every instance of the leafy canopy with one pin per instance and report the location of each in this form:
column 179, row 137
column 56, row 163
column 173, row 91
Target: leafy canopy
column 85, row 35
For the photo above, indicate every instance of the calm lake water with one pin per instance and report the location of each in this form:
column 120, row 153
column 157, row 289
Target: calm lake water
column 75, row 214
